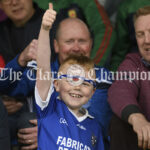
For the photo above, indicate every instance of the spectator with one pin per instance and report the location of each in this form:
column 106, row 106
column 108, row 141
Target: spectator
column 125, row 31
column 111, row 9
column 98, row 105
column 18, row 32
column 2, row 15
column 4, row 130
column 104, row 35
column 129, row 97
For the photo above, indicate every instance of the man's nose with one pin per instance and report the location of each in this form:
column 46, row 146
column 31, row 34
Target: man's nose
column 76, row 47
column 147, row 38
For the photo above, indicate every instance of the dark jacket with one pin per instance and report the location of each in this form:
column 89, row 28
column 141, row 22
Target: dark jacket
column 4, row 131
column 30, row 29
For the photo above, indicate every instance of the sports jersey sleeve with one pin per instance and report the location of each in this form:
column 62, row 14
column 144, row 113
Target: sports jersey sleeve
column 43, row 104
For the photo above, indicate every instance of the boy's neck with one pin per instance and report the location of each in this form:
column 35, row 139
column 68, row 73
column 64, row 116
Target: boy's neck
column 79, row 113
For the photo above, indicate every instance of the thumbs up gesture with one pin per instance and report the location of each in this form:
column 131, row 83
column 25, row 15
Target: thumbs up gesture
column 49, row 18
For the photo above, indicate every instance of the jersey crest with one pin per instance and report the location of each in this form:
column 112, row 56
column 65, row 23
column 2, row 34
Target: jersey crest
column 93, row 140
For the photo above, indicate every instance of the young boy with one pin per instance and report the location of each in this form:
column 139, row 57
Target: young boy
column 62, row 122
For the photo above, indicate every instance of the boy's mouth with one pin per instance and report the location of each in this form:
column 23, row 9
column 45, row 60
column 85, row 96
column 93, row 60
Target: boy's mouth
column 75, row 95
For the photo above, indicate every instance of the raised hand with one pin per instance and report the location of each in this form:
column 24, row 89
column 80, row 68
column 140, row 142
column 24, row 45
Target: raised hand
column 44, row 52
column 29, row 53
column 49, row 18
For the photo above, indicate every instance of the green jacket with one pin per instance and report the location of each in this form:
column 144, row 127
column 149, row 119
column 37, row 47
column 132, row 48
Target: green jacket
column 104, row 36
column 123, row 44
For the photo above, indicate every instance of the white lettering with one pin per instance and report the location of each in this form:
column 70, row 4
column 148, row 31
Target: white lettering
column 81, row 146
column 59, row 139
column 143, row 75
column 63, row 141
column 69, row 142
column 74, row 144
column 63, row 121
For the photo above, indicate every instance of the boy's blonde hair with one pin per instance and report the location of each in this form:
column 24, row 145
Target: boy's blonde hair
column 141, row 12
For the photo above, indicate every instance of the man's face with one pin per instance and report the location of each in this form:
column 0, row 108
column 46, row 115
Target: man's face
column 19, row 11
column 142, row 29
column 73, row 38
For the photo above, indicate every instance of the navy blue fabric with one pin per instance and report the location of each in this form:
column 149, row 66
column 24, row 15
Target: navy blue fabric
column 4, row 130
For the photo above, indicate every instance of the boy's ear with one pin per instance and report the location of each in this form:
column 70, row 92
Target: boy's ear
column 93, row 91
column 56, row 46
column 56, row 85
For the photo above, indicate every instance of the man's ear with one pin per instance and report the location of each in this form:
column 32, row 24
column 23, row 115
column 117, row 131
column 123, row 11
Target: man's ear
column 91, row 44
column 56, row 85
column 56, row 47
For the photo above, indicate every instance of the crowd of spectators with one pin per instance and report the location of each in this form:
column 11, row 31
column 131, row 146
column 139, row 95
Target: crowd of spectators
column 116, row 38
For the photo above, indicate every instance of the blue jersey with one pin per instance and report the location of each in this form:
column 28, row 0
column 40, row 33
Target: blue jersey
column 20, row 81
column 61, row 129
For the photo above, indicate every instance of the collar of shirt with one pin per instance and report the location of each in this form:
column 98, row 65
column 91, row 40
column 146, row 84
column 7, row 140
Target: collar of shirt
column 145, row 62
column 86, row 115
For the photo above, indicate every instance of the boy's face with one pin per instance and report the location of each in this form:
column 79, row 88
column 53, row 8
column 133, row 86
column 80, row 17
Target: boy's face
column 74, row 93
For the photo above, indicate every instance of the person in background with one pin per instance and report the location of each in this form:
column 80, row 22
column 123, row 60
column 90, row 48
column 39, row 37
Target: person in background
column 111, row 8
column 2, row 15
column 95, row 14
column 4, row 129
column 19, row 32
column 125, row 32
column 129, row 96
